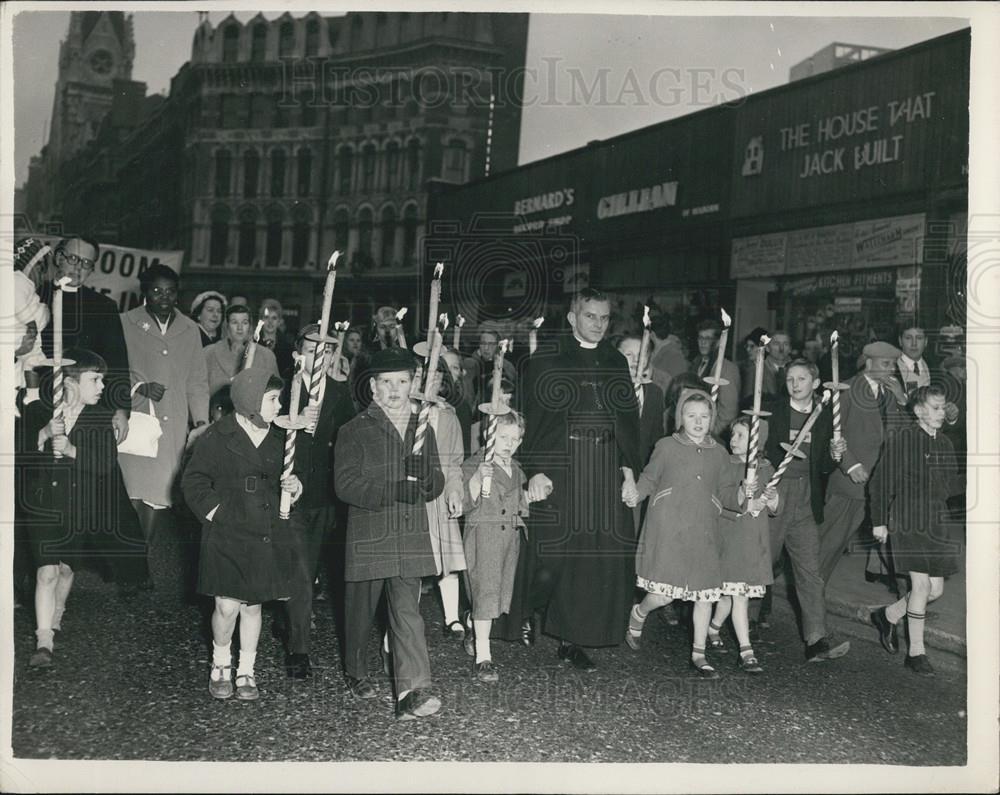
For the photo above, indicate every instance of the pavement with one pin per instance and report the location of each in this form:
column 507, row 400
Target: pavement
column 850, row 598
column 147, row 660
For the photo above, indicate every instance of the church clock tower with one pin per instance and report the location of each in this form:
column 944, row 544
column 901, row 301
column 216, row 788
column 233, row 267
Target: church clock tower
column 98, row 50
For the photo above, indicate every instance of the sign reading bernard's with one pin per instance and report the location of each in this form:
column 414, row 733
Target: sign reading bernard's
column 558, row 200
column 116, row 273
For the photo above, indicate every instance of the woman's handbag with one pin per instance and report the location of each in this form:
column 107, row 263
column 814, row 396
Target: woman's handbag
column 144, row 434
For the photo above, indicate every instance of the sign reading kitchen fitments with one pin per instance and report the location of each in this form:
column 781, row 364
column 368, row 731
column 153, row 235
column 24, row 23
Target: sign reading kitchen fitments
column 879, row 243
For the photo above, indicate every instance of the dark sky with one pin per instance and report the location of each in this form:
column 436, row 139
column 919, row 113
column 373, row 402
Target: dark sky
column 590, row 76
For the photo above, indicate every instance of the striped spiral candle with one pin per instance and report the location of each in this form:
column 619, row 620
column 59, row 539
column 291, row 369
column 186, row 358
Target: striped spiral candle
column 288, row 464
column 720, row 355
column 430, row 385
column 496, row 405
column 57, row 353
column 835, row 365
column 800, row 437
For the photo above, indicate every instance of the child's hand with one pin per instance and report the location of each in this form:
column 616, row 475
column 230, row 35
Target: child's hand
column 454, row 505
column 485, row 470
column 630, row 493
column 881, row 533
column 770, row 497
column 61, row 444
column 838, row 448
column 293, row 486
column 56, row 427
column 539, row 488
column 310, row 414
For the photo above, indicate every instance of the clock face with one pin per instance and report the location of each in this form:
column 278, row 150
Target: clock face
column 101, row 62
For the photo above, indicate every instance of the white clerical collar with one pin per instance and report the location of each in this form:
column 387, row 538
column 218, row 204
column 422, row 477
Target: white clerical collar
column 584, row 344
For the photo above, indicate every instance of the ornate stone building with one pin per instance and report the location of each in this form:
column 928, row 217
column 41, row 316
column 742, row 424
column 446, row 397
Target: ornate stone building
column 285, row 139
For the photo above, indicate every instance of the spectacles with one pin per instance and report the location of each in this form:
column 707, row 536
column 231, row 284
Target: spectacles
column 75, row 260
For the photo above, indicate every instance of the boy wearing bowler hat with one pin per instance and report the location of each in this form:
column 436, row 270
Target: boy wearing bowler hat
column 388, row 549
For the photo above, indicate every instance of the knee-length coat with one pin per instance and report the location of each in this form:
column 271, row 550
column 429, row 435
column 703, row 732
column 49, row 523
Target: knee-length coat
column 245, row 546
column 446, row 535
column 385, row 538
column 175, row 360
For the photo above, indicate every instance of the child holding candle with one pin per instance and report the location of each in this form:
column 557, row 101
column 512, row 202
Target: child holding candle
column 679, row 554
column 388, row 543
column 77, row 493
column 234, row 483
column 800, row 491
column 746, row 547
column 493, row 528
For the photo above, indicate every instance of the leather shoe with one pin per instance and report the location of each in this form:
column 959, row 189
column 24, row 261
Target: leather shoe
column 919, row 664
column 297, row 666
column 417, row 704
column 41, row 658
column 361, row 688
column 887, row 634
column 822, row 650
column 576, row 657
column 486, row 671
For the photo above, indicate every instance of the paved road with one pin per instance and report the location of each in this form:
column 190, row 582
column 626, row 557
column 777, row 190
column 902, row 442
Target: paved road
column 131, row 683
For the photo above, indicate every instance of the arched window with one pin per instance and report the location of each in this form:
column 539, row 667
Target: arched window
column 286, row 39
column 304, row 172
column 410, row 235
column 258, row 43
column 251, row 173
column 219, row 239
column 223, row 172
column 231, row 44
column 275, row 220
column 300, row 236
column 278, row 172
column 388, row 255
column 345, row 165
column 391, row 165
column 413, row 164
column 368, row 168
column 453, row 167
column 365, row 226
column 341, row 230
column 248, row 237
column 312, row 38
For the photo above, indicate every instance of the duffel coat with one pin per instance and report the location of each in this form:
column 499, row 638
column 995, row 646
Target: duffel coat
column 385, row 538
column 245, row 547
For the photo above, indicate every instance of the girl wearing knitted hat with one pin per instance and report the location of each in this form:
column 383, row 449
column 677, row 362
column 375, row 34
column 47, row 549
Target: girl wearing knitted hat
column 679, row 555
column 233, row 483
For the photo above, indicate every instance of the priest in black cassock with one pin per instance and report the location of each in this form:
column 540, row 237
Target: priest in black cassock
column 581, row 450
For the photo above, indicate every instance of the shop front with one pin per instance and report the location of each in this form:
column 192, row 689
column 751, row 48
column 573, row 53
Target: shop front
column 846, row 189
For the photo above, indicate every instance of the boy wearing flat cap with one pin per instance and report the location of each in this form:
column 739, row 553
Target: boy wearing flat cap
column 386, row 487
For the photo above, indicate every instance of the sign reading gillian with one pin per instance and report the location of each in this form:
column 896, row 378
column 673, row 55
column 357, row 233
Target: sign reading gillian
column 638, row 200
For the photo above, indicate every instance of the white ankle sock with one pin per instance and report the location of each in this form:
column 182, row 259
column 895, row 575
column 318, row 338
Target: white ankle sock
column 896, row 611
column 915, row 632
column 247, row 660
column 222, row 655
column 449, row 597
column 483, row 639
column 44, row 638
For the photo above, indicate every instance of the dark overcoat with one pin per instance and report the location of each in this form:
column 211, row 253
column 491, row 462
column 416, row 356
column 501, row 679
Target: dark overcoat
column 385, row 538
column 245, row 547
column 910, row 488
column 76, row 510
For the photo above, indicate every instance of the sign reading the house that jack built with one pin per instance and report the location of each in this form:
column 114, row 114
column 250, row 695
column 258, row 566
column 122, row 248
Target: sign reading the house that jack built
column 893, row 125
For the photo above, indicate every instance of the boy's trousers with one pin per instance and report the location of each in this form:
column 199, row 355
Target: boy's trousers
column 795, row 529
column 411, row 663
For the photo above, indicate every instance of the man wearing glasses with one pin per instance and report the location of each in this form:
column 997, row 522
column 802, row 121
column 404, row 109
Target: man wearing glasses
column 91, row 321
